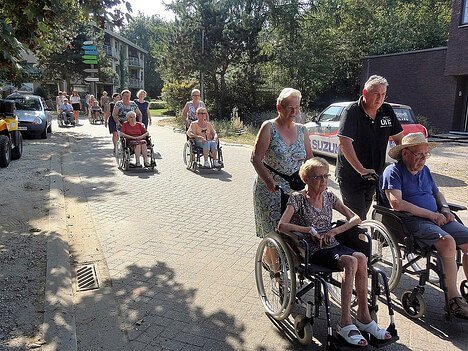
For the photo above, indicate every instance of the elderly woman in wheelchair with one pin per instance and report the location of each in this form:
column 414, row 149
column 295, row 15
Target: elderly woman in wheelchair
column 305, row 233
column 206, row 138
column 135, row 138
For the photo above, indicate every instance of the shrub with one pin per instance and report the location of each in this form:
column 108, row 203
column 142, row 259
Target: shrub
column 157, row 104
column 177, row 93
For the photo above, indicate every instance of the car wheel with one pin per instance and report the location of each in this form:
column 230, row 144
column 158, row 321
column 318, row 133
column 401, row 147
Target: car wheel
column 49, row 128
column 18, row 150
column 44, row 134
column 5, row 151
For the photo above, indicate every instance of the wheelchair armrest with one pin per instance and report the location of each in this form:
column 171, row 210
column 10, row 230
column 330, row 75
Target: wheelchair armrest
column 392, row 212
column 456, row 207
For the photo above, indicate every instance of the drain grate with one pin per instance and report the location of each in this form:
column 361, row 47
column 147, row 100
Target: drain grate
column 86, row 277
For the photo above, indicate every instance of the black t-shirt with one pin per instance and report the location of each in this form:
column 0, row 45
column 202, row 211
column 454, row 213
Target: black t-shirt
column 370, row 138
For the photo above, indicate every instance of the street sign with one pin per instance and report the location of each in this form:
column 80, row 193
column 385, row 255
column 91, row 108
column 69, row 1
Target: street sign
column 91, row 79
column 90, row 62
column 88, row 42
column 90, row 52
column 91, row 70
column 89, row 47
column 89, row 57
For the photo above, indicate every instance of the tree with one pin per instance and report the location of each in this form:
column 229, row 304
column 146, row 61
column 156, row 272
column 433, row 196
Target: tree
column 146, row 32
column 46, row 26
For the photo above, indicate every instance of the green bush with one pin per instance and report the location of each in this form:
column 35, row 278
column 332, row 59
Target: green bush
column 177, row 93
column 157, row 104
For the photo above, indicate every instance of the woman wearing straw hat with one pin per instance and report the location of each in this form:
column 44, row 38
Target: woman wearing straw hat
column 409, row 187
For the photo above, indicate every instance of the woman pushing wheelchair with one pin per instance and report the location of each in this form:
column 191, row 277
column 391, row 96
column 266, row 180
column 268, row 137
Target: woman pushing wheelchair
column 310, row 211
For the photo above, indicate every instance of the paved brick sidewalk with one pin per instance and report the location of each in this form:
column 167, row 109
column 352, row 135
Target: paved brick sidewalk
column 180, row 250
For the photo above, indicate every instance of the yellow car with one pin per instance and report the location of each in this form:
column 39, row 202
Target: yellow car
column 11, row 141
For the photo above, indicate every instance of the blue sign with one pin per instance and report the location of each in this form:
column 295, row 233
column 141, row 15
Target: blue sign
column 90, row 52
column 89, row 47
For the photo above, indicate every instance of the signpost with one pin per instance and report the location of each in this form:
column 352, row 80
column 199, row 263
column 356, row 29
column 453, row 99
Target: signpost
column 90, row 57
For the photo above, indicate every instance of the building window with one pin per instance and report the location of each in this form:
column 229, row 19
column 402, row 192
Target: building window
column 464, row 18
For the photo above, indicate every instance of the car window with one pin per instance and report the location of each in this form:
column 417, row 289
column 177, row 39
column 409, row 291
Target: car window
column 404, row 115
column 330, row 114
column 27, row 104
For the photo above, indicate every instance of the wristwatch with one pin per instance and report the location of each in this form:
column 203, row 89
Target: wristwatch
column 445, row 206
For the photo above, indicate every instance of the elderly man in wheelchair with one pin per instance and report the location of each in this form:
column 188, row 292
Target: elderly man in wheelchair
column 308, row 220
column 408, row 187
column 206, row 138
column 134, row 139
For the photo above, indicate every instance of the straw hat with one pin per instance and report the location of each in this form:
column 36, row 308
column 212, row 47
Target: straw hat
column 411, row 139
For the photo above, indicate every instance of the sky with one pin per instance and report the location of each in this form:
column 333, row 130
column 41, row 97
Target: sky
column 151, row 7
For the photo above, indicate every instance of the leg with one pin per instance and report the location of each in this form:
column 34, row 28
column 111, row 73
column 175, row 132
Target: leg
column 115, row 138
column 363, row 314
column 446, row 248
column 137, row 154
column 464, row 249
column 144, row 153
column 349, row 264
column 460, row 233
column 214, row 149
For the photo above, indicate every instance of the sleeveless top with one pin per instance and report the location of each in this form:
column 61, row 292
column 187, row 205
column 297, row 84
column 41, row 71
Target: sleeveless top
column 192, row 110
column 124, row 109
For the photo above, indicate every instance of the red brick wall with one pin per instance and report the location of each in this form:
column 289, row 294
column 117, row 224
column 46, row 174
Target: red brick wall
column 417, row 79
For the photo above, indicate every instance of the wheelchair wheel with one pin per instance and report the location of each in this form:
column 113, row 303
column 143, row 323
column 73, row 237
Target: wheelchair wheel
column 276, row 287
column 121, row 156
column 189, row 158
column 414, row 307
column 385, row 253
column 464, row 289
column 303, row 329
column 60, row 120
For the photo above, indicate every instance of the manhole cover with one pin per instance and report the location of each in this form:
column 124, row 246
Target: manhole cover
column 86, row 277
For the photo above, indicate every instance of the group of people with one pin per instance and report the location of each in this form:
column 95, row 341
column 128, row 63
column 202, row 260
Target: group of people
column 282, row 156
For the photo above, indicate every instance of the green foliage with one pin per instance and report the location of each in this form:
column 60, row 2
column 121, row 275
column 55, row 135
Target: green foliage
column 46, row 26
column 176, row 94
column 157, row 104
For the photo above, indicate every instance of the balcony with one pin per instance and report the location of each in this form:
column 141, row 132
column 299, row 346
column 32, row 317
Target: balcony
column 134, row 61
column 108, row 49
column 134, row 83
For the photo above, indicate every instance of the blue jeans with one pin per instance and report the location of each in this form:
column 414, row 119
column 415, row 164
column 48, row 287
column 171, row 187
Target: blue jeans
column 210, row 145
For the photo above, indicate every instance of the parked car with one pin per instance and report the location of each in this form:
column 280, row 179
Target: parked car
column 323, row 129
column 33, row 115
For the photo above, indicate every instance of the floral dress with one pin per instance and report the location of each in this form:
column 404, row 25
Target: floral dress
column 285, row 159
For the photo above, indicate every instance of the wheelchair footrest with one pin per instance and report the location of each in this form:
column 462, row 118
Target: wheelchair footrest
column 339, row 344
column 382, row 343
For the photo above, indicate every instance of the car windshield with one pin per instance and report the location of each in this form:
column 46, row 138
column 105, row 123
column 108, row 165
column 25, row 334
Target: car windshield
column 331, row 114
column 27, row 104
column 404, row 115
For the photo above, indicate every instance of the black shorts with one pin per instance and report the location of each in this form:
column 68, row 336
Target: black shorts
column 329, row 257
column 112, row 125
column 76, row 107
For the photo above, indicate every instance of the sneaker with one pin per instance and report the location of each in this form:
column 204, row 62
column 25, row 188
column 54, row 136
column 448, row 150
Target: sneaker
column 216, row 163
column 458, row 307
column 206, row 164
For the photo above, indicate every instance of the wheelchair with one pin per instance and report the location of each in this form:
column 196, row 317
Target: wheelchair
column 397, row 253
column 307, row 285
column 193, row 156
column 123, row 154
column 96, row 116
column 65, row 118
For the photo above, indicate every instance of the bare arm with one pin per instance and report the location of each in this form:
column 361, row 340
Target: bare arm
column 285, row 225
column 347, row 148
column 185, row 111
column 396, row 201
column 260, row 148
column 138, row 114
column 308, row 147
column 115, row 115
column 440, row 200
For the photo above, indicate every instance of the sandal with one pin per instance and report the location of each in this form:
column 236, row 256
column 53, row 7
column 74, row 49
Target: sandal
column 458, row 307
column 346, row 333
column 378, row 334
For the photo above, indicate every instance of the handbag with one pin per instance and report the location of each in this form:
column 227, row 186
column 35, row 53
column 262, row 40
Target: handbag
column 294, row 180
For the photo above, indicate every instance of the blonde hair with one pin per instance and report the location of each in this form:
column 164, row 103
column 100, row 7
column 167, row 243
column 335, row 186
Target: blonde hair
column 375, row 80
column 139, row 92
column 309, row 166
column 287, row 93
column 126, row 91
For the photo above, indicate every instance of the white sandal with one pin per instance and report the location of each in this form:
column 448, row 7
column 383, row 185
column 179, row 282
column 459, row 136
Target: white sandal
column 373, row 329
column 351, row 339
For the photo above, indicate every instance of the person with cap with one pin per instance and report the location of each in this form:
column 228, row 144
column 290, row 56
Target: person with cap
column 408, row 186
column 365, row 127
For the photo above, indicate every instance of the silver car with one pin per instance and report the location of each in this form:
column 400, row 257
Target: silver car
column 33, row 115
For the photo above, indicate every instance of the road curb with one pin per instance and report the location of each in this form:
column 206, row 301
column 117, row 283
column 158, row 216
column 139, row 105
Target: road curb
column 59, row 327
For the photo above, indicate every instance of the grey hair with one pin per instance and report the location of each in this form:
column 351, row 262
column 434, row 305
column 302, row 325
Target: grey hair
column 130, row 113
column 311, row 165
column 375, row 80
column 287, row 93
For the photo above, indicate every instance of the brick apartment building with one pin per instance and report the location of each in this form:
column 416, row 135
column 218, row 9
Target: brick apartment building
column 434, row 82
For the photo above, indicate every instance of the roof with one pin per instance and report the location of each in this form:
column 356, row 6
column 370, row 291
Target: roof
column 346, row 103
column 125, row 40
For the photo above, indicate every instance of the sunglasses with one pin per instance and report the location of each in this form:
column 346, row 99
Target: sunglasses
column 321, row 176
